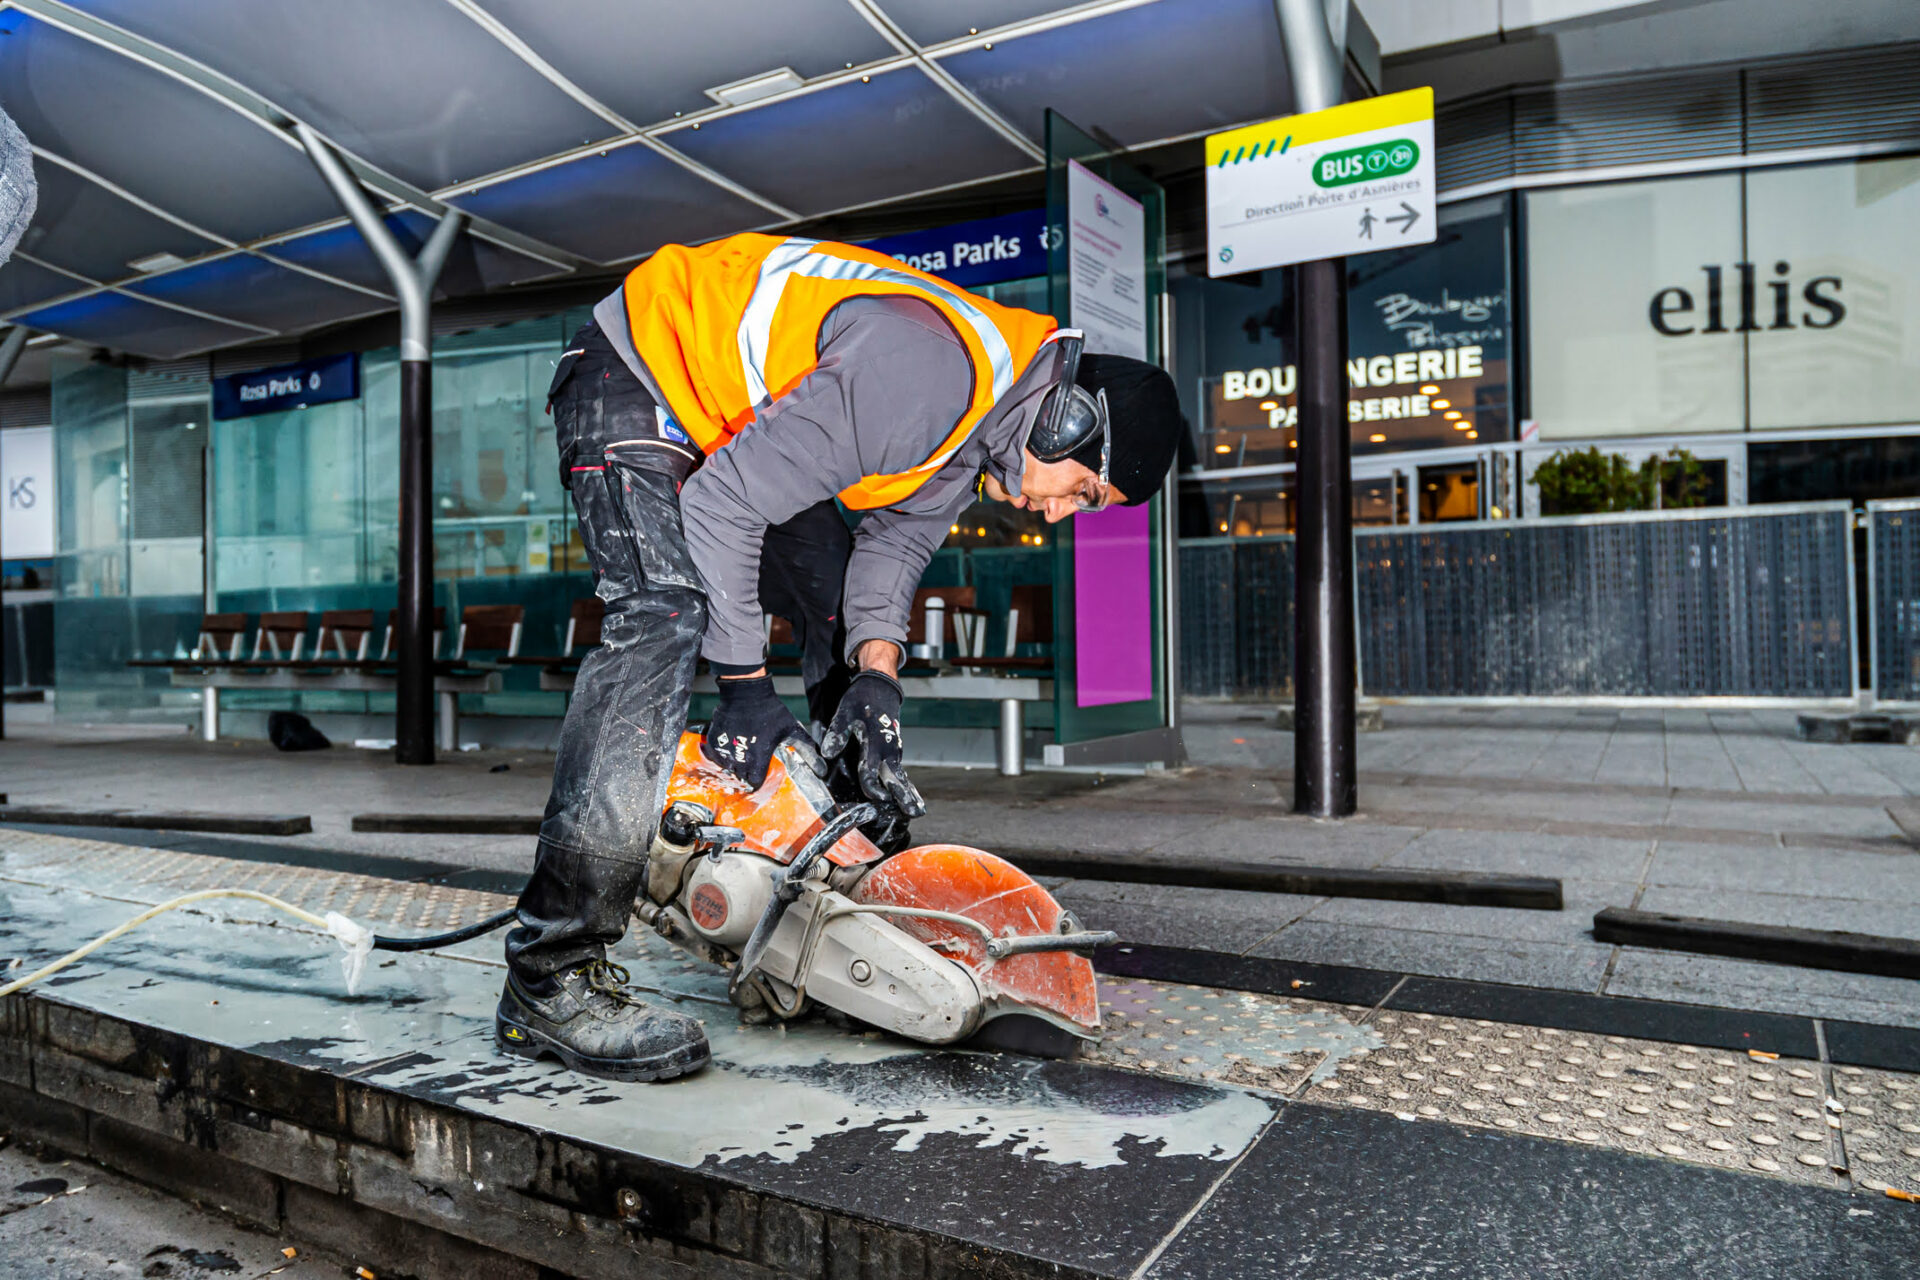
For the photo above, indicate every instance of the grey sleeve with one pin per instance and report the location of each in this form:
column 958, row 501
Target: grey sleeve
column 890, row 552
column 892, row 380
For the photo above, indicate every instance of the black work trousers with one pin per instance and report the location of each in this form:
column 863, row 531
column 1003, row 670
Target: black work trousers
column 629, row 704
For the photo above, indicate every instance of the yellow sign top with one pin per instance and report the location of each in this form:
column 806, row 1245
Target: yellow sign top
column 1278, row 136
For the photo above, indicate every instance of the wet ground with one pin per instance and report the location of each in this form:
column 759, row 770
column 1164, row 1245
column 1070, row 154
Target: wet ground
column 1213, row 1132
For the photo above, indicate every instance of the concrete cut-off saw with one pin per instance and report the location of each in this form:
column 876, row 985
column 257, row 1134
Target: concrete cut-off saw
column 807, row 899
column 940, row 943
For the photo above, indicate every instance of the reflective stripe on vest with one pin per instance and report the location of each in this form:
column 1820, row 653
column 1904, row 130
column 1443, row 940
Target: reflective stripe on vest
column 689, row 310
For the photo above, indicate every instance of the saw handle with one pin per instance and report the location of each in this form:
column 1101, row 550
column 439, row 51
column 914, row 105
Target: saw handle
column 842, row 819
column 1001, row 948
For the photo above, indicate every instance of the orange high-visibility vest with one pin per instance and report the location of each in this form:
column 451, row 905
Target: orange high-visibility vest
column 727, row 327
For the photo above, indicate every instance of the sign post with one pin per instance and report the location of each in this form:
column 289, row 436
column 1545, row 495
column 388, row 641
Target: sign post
column 1308, row 190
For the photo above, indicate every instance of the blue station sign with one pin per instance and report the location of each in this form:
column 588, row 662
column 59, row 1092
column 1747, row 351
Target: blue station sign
column 287, row 386
column 988, row 251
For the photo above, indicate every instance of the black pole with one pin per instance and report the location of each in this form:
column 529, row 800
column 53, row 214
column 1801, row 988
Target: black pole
column 1323, row 683
column 413, row 618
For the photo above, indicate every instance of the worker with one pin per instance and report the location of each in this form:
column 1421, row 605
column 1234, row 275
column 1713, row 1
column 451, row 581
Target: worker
column 720, row 402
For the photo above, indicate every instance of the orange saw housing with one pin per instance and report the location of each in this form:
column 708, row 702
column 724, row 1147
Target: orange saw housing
column 779, row 816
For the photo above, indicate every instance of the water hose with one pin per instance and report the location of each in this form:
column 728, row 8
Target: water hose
column 357, row 939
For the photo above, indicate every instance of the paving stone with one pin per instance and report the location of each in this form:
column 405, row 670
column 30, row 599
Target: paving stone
column 1881, row 1125
column 1800, row 911
column 1572, row 925
column 1568, row 857
column 1749, row 984
column 1830, row 820
column 1176, row 916
column 1536, row 964
column 1709, row 1106
column 1884, row 877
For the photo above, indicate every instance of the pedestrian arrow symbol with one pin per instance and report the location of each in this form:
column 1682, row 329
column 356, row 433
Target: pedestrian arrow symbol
column 1407, row 219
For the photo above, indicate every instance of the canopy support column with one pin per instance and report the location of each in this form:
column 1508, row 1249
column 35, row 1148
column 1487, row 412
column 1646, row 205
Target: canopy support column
column 1323, row 686
column 413, row 280
column 10, row 348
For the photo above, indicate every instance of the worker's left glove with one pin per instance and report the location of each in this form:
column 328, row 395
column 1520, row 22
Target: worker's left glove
column 749, row 725
column 870, row 715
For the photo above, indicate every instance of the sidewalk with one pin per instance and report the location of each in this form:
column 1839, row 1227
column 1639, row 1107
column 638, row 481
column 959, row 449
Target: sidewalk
column 1215, row 1133
column 1720, row 815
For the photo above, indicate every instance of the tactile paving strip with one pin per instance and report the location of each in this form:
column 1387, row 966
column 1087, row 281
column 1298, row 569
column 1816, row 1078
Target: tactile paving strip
column 1881, row 1125
column 1776, row 1117
column 1237, row 1037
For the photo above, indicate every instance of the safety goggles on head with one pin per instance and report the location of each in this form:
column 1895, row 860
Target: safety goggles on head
column 1070, row 416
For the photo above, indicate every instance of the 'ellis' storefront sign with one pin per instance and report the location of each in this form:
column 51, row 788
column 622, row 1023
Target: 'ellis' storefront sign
column 1675, row 312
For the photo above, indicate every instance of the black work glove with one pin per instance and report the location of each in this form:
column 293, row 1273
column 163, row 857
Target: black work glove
column 870, row 715
column 749, row 725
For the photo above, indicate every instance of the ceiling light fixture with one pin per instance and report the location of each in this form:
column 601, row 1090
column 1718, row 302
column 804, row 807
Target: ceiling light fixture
column 156, row 262
column 754, row 88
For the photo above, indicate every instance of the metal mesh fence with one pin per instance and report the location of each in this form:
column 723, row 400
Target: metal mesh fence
column 1752, row 602
column 1894, row 535
column 1236, row 617
column 1748, row 602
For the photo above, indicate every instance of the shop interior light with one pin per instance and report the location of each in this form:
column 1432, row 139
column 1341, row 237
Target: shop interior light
column 1429, row 390
column 1377, row 438
column 1473, row 435
column 1442, row 404
column 1451, row 414
column 1293, row 444
column 1223, row 526
column 1462, row 426
column 982, row 531
column 1269, row 405
column 1223, row 448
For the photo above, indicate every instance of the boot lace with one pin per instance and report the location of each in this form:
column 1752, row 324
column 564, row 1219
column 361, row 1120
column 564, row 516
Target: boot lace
column 609, row 979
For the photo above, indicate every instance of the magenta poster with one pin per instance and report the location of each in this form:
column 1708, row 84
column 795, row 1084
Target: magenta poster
column 1113, row 606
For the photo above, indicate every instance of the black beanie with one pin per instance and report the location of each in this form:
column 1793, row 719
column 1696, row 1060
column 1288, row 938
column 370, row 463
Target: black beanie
column 1147, row 426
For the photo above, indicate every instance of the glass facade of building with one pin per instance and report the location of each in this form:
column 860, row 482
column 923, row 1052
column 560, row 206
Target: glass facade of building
column 1767, row 320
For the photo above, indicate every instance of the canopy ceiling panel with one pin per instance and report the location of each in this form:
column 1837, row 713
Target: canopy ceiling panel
column 411, row 86
column 852, row 144
column 82, row 227
column 148, row 133
column 1158, row 71
column 127, row 324
column 933, row 21
column 23, row 283
column 615, row 205
column 474, row 266
column 243, row 287
column 650, row 58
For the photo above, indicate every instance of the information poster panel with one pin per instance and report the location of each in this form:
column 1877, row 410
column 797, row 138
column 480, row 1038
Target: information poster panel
column 1106, row 263
column 26, row 509
column 1113, row 606
column 1351, row 179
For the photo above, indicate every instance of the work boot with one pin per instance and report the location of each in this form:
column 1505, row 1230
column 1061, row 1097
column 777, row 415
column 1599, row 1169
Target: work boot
column 589, row 1020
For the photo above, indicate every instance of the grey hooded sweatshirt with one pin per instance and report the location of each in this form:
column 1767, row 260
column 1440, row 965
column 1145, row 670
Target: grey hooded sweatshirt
column 892, row 380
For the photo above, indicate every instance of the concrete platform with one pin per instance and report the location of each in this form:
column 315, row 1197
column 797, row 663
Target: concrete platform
column 1215, row 1132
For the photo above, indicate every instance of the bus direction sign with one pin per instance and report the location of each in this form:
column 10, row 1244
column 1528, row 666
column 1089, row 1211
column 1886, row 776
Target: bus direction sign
column 1352, row 179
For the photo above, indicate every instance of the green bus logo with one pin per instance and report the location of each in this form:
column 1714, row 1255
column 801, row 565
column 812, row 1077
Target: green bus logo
column 1366, row 164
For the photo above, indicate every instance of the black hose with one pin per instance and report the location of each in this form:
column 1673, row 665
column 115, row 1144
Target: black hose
column 427, row 942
